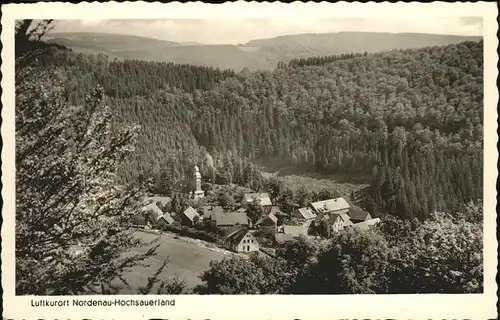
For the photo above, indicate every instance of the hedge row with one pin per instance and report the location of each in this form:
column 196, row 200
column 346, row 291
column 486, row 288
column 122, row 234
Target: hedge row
column 189, row 232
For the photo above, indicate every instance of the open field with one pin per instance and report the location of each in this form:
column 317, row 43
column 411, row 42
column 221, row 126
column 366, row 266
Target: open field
column 295, row 176
column 188, row 258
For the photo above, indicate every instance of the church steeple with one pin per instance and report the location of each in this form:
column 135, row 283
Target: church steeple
column 198, row 193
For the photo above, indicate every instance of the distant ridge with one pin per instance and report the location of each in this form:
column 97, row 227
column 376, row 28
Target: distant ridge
column 257, row 54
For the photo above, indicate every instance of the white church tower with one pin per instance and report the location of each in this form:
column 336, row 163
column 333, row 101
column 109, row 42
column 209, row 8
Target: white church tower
column 197, row 192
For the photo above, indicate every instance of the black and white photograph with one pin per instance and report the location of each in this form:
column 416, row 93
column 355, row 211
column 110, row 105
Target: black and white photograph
column 250, row 156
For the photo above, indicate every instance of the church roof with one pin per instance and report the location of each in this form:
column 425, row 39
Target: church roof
column 184, row 186
column 160, row 199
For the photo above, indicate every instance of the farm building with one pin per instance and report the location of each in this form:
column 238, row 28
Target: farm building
column 241, row 241
column 365, row 225
column 356, row 214
column 304, row 214
column 337, row 205
column 189, row 216
column 338, row 222
column 269, row 220
column 230, row 219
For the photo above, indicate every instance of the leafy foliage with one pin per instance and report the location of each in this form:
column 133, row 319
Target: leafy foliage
column 440, row 255
column 66, row 160
column 72, row 217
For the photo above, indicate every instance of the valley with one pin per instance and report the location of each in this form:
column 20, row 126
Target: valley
column 258, row 54
column 336, row 163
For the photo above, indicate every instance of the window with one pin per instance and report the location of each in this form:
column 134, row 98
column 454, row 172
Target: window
column 244, row 241
column 252, row 241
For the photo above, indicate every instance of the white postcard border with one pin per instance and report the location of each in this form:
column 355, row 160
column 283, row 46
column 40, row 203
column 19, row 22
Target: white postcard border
column 477, row 306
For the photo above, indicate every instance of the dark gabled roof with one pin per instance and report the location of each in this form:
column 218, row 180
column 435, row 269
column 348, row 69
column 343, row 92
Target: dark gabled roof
column 230, row 219
column 236, row 236
column 356, row 213
column 344, row 217
column 167, row 217
column 270, row 216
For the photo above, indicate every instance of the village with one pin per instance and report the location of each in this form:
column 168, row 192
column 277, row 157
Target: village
column 250, row 225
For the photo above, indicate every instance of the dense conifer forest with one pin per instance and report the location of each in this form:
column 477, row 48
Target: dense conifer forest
column 410, row 120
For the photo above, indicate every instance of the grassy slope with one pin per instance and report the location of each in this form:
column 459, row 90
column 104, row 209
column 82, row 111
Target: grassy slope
column 188, row 258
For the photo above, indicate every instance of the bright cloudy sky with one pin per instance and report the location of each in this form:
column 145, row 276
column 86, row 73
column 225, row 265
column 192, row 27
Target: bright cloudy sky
column 303, row 18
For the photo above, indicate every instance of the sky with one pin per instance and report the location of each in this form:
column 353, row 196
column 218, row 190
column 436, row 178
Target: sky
column 239, row 23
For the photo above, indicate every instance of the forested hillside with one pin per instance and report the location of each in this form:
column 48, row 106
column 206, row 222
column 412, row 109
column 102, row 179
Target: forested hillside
column 258, row 54
column 410, row 119
column 318, row 44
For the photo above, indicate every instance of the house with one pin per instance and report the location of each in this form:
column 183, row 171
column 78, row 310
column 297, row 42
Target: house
column 149, row 213
column 165, row 219
column 337, row 205
column 241, row 240
column 153, row 209
column 357, row 214
column 191, row 188
column 269, row 220
column 189, row 216
column 208, row 211
column 260, row 198
column 338, row 222
column 365, row 225
column 230, row 219
column 304, row 214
